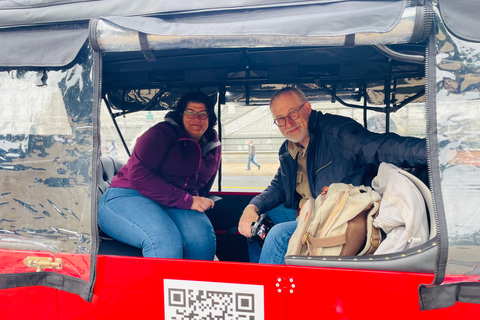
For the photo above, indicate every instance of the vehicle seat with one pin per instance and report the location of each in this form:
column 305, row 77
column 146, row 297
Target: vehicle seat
column 107, row 169
column 419, row 172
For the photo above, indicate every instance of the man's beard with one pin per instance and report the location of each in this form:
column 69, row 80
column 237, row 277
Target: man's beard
column 303, row 135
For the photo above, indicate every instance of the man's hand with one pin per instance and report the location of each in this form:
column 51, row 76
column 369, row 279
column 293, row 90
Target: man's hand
column 202, row 204
column 248, row 217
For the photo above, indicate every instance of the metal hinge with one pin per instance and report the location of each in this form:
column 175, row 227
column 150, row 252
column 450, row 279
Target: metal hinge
column 43, row 263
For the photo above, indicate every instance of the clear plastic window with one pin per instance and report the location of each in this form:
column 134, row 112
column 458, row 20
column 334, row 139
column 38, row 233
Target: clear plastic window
column 46, row 147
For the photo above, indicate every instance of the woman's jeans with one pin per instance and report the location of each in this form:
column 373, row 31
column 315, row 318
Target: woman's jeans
column 277, row 215
column 160, row 231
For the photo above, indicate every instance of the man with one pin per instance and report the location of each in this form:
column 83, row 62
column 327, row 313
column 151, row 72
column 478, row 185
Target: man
column 251, row 155
column 320, row 149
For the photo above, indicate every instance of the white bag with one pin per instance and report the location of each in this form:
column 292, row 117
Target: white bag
column 402, row 213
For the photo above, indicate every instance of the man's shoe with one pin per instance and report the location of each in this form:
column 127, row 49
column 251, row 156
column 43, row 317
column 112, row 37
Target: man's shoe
column 247, row 169
column 258, row 167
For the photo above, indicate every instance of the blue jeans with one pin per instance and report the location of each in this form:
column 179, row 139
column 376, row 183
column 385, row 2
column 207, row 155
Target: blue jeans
column 160, row 231
column 278, row 215
column 251, row 159
column 276, row 243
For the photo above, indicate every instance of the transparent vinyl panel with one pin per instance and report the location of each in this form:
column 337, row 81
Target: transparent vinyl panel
column 458, row 130
column 46, row 145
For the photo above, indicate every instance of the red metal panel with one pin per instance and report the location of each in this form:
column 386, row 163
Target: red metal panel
column 133, row 287
column 357, row 294
column 129, row 287
column 28, row 303
column 75, row 265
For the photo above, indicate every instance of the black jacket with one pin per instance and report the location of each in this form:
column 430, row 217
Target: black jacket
column 339, row 150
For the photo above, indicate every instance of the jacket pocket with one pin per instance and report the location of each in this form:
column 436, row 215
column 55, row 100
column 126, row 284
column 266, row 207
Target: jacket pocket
column 299, row 178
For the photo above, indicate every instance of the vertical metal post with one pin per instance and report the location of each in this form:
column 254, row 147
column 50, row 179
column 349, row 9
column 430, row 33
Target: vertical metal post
column 247, row 77
column 220, row 101
column 116, row 125
column 365, row 97
column 387, row 90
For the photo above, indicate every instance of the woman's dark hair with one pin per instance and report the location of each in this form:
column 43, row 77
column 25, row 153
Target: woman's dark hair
column 200, row 97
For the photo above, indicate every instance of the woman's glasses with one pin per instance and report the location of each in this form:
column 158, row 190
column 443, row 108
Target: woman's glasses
column 190, row 114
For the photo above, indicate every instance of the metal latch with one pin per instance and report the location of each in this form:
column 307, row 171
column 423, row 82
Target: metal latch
column 43, row 263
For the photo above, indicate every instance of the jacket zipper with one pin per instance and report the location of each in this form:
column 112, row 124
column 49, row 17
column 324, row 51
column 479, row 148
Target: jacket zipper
column 323, row 167
column 199, row 160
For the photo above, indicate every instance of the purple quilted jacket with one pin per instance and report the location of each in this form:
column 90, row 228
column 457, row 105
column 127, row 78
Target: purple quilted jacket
column 169, row 167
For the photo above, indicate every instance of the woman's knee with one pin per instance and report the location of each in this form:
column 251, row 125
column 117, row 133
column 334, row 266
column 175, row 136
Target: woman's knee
column 163, row 246
column 148, row 227
column 201, row 244
column 200, row 250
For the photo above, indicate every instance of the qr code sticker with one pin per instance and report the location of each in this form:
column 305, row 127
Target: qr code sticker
column 200, row 300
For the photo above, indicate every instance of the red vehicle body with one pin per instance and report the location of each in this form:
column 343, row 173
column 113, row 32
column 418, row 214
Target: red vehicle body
column 62, row 66
column 326, row 293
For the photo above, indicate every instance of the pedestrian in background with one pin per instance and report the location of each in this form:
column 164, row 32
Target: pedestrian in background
column 112, row 148
column 251, row 155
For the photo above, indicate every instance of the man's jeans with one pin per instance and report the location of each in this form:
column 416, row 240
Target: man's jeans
column 278, row 215
column 276, row 243
column 251, row 159
column 160, row 231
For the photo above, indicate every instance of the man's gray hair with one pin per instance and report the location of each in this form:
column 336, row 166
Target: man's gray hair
column 299, row 93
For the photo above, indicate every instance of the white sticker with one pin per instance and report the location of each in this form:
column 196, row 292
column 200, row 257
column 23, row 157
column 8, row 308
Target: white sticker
column 212, row 300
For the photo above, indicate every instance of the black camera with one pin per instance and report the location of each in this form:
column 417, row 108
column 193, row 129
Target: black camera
column 260, row 228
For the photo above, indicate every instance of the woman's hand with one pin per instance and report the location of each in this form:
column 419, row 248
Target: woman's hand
column 202, row 204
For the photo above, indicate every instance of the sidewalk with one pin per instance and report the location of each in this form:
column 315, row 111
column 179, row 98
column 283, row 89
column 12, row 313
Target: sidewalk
column 266, row 169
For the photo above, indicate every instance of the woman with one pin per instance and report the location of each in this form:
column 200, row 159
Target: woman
column 157, row 200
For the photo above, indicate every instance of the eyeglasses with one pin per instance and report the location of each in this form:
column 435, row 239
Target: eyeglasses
column 190, row 114
column 293, row 115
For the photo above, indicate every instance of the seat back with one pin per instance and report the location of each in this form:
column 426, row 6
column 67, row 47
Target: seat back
column 108, row 168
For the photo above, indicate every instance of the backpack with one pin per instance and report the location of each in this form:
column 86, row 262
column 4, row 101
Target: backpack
column 339, row 222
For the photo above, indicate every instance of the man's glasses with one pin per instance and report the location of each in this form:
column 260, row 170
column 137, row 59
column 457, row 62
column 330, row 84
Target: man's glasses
column 293, row 115
column 190, row 114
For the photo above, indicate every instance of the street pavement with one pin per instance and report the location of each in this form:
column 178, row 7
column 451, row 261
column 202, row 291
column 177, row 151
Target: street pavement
column 266, row 169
